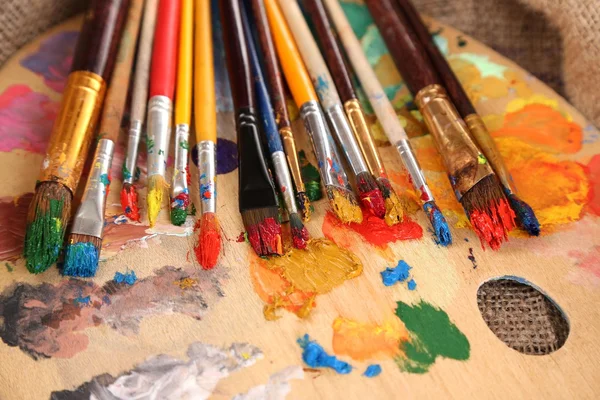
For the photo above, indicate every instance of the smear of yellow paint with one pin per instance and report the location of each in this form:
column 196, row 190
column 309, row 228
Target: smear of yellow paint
column 157, row 186
column 185, row 283
column 346, row 211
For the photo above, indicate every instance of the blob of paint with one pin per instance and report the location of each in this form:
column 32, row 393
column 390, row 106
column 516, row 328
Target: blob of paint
column 208, row 246
column 179, row 207
column 412, row 285
column 372, row 371
column 129, row 202
column 316, row 357
column 346, row 210
column 157, row 186
column 399, row 273
column 492, row 226
column 265, row 237
column 300, row 237
column 127, row 278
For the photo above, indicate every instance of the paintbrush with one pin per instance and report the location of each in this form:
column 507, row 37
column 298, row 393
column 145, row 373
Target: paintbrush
column 389, row 121
column 180, row 194
column 525, row 215
column 85, row 240
column 368, row 191
column 280, row 167
column 129, row 196
column 334, row 177
column 337, row 64
column 473, row 180
column 205, row 119
column 72, row 133
column 258, row 200
column 278, row 98
column 162, row 89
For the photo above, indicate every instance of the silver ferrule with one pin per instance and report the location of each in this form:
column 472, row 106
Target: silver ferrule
column 346, row 139
column 207, row 169
column 179, row 183
column 159, row 132
column 414, row 169
column 89, row 219
column 327, row 155
column 284, row 180
column 133, row 142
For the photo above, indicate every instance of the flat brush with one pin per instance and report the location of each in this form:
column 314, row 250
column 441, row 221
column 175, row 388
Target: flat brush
column 72, row 133
column 389, row 121
column 258, row 200
column 208, row 246
column 524, row 214
column 334, row 177
column 280, row 167
column 471, row 176
column 180, row 194
column 368, row 191
column 129, row 196
column 82, row 253
column 278, row 97
column 160, row 106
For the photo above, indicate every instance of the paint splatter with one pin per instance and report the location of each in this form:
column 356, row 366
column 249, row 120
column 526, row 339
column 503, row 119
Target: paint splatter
column 588, row 259
column 167, row 377
column 400, row 273
column 277, row 388
column 372, row 371
column 316, row 357
column 471, row 258
column 412, row 285
column 364, row 340
column 432, row 335
column 13, row 218
column 227, row 156
column 127, row 278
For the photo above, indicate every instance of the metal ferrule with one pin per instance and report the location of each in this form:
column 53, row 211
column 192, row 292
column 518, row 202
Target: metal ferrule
column 284, row 180
column 345, row 136
column 328, row 158
column 179, row 184
column 289, row 145
column 414, row 169
column 159, row 132
column 207, row 168
column 89, row 219
column 133, row 142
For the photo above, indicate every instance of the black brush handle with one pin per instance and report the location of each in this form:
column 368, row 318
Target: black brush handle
column 409, row 55
column 100, row 35
column 331, row 49
column 451, row 83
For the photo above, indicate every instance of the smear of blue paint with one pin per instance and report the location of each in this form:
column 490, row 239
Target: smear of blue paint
column 82, row 300
column 128, row 277
column 372, row 371
column 412, row 285
column 315, row 356
column 397, row 274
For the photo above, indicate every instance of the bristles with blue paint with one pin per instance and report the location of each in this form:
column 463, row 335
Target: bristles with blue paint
column 525, row 216
column 438, row 222
column 82, row 255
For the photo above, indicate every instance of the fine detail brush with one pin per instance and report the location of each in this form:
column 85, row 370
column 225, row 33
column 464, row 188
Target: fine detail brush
column 337, row 64
column 208, row 247
column 278, row 98
column 282, row 173
column 524, row 214
column 339, row 192
column 259, row 205
column 85, row 240
column 471, row 176
column 129, row 196
column 72, row 133
column 389, row 121
column 180, row 194
column 368, row 191
column 160, row 106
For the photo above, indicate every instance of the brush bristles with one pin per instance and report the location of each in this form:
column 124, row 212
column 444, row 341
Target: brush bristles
column 394, row 208
column 344, row 204
column 300, row 234
column 525, row 215
column 129, row 202
column 82, row 255
column 489, row 212
column 208, row 247
column 438, row 222
column 47, row 219
column 304, row 205
column 370, row 194
column 157, row 185
column 264, row 230
column 179, row 206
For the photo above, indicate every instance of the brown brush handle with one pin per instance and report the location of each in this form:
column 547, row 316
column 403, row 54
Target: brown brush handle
column 99, row 38
column 405, row 48
column 331, row 49
column 451, row 83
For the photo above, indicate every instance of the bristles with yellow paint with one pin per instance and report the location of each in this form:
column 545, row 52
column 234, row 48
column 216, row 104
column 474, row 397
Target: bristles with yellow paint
column 157, row 185
column 344, row 205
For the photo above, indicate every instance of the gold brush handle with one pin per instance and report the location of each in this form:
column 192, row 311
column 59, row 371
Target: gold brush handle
column 289, row 146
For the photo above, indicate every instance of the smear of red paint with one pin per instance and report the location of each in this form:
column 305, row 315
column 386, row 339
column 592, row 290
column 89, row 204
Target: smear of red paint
column 184, row 198
column 13, row 219
column 300, row 237
column 373, row 201
column 129, row 203
column 424, row 195
column 208, row 247
column 593, row 174
column 188, row 177
column 241, row 238
column 265, row 237
column 492, row 226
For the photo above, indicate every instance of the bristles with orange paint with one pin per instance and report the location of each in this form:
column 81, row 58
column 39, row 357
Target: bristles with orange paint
column 208, row 247
column 129, row 202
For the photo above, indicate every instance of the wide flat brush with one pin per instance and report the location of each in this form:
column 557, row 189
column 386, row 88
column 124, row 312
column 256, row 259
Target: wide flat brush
column 267, row 116
column 334, row 177
column 72, row 133
column 160, row 106
column 129, row 196
column 389, row 121
column 524, row 213
column 471, row 176
column 82, row 253
column 258, row 200
column 208, row 247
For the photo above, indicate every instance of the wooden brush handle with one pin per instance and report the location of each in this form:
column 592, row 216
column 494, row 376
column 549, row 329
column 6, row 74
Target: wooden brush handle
column 164, row 52
column 331, row 49
column 451, row 83
column 185, row 83
column 205, row 98
column 405, row 48
column 96, row 49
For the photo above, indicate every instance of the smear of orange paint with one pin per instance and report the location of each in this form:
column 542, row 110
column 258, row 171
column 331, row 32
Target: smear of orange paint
column 593, row 174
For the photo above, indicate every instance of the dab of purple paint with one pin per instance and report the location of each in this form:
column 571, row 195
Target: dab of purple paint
column 227, row 156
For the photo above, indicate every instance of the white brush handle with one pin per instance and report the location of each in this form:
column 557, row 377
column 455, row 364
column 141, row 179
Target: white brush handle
column 381, row 105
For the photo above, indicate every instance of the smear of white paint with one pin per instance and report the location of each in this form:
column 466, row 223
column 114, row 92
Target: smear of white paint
column 277, row 388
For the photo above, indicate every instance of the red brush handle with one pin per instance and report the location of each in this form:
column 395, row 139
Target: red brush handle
column 164, row 50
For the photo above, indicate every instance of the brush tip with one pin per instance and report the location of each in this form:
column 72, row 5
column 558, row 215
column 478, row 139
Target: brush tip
column 300, row 234
column 82, row 255
column 305, row 206
column 156, row 188
column 370, row 195
column 208, row 247
column 129, row 202
column 394, row 208
column 438, row 222
column 344, row 205
column 179, row 206
column 264, row 230
column 525, row 215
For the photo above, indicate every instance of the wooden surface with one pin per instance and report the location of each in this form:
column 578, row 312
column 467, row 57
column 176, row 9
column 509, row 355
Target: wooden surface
column 547, row 143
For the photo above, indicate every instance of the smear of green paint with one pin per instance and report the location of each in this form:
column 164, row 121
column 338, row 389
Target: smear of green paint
column 44, row 237
column 105, row 179
column 432, row 335
column 441, row 43
column 483, row 64
column 178, row 216
column 373, row 45
column 149, row 144
column 9, row 267
column 311, row 177
column 359, row 17
column 126, row 173
column 184, row 144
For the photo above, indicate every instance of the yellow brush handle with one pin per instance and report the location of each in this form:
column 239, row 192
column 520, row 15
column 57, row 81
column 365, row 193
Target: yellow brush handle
column 183, row 99
column 293, row 67
column 205, row 102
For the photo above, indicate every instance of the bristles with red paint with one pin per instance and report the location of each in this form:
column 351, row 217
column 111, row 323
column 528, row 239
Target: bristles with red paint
column 370, row 194
column 300, row 234
column 264, row 232
column 208, row 247
column 129, row 202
